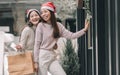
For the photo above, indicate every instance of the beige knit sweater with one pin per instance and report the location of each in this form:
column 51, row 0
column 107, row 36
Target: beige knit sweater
column 27, row 38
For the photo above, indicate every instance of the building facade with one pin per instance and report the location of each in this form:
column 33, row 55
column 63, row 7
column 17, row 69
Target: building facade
column 102, row 57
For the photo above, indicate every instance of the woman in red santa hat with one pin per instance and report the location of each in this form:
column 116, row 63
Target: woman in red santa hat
column 47, row 34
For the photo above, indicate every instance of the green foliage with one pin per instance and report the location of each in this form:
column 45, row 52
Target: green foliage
column 70, row 60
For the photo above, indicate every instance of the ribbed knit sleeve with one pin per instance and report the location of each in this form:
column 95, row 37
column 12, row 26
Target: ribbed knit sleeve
column 38, row 40
column 24, row 37
column 69, row 35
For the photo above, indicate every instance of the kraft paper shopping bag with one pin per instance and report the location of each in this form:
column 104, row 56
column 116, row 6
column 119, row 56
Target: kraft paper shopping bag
column 21, row 64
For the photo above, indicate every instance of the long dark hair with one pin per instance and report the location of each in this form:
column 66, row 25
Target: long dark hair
column 56, row 33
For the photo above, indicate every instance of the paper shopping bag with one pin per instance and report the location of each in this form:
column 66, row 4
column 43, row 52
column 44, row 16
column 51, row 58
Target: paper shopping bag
column 21, row 64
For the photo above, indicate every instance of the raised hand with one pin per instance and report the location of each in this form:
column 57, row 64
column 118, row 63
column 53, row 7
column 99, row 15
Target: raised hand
column 87, row 24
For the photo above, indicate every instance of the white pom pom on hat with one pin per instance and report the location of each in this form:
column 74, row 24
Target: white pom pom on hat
column 49, row 6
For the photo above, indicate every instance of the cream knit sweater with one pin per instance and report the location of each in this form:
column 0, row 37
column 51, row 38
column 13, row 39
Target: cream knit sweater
column 27, row 38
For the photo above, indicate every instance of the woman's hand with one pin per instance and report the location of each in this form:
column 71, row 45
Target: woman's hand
column 55, row 46
column 36, row 67
column 18, row 47
column 87, row 24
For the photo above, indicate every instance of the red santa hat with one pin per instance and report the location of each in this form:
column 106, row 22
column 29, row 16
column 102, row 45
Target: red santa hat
column 49, row 6
column 30, row 10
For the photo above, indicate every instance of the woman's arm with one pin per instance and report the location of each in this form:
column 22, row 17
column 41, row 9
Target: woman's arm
column 70, row 35
column 23, row 39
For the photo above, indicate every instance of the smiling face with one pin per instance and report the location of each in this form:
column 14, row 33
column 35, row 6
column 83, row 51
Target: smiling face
column 45, row 14
column 34, row 18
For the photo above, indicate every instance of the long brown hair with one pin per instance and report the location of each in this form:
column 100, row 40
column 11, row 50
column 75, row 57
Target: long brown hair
column 56, row 33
